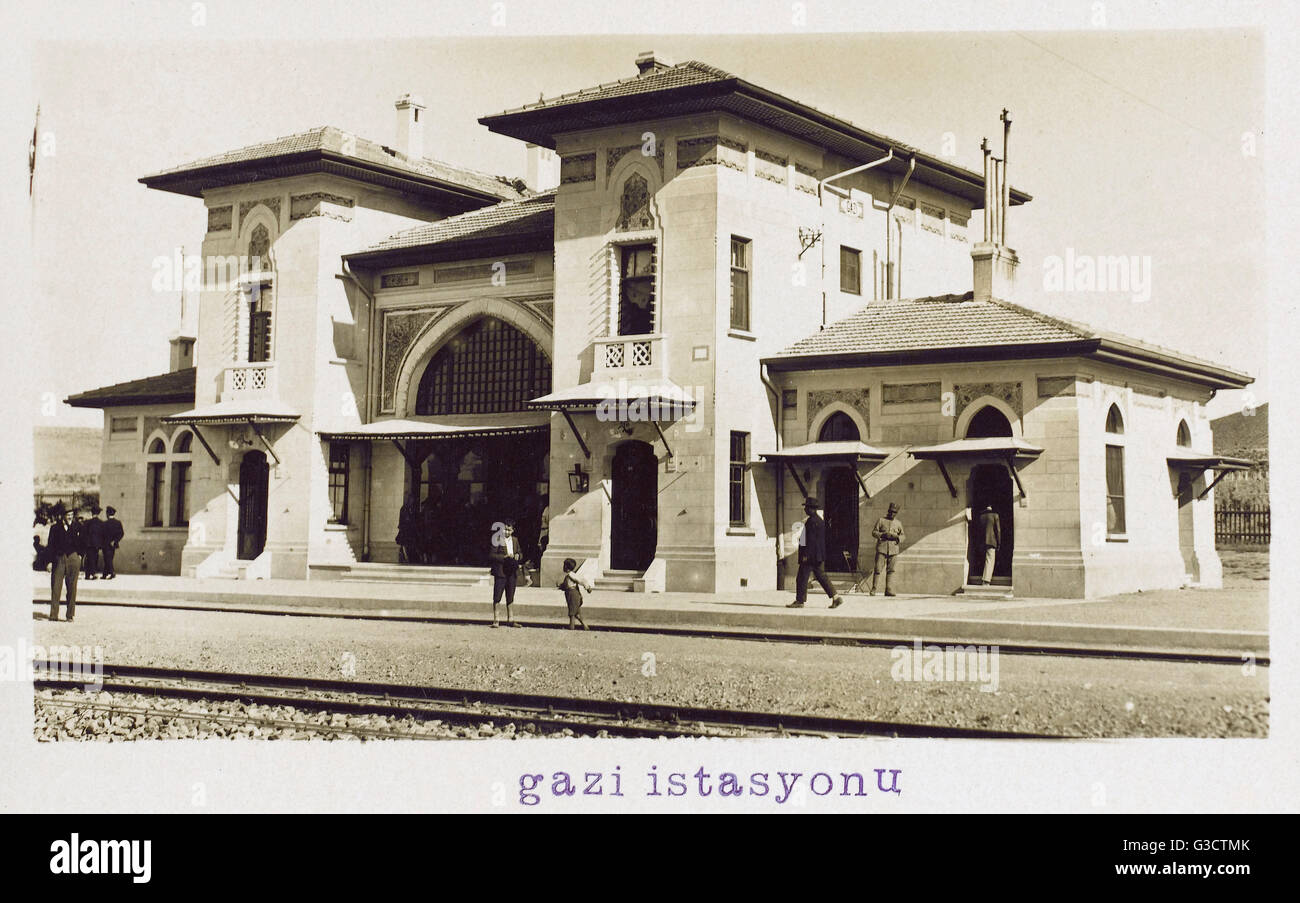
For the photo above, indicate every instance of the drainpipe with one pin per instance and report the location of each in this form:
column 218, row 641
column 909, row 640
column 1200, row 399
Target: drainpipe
column 367, row 414
column 889, row 232
column 821, row 186
column 780, row 481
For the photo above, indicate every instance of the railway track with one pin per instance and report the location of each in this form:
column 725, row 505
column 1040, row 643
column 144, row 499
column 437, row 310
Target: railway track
column 1261, row 659
column 455, row 706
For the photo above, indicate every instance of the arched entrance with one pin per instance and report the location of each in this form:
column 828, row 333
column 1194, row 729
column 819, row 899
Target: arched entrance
column 990, row 485
column 254, row 478
column 634, row 507
column 841, row 498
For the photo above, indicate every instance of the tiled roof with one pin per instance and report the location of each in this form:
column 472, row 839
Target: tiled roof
column 335, row 140
column 177, row 386
column 941, row 321
column 534, row 215
column 951, row 322
column 681, row 75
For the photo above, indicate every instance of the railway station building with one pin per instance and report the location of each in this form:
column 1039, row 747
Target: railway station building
column 706, row 302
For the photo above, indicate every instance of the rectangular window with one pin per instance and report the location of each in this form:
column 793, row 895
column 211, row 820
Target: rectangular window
column 739, row 283
column 636, row 290
column 181, row 494
column 339, row 463
column 850, row 270
column 1115, row 489
column 260, row 298
column 154, row 495
column 117, row 425
column 739, row 462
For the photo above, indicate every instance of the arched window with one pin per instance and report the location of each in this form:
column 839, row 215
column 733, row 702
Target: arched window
column 180, row 487
column 1116, row 524
column 1114, row 421
column 988, row 422
column 489, row 367
column 153, row 488
column 1184, row 435
column 839, row 427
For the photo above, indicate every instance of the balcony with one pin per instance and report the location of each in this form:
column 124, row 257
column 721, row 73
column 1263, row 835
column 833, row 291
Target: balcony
column 629, row 357
column 248, row 381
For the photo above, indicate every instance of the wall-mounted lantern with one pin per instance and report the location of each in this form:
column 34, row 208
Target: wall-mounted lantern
column 579, row 482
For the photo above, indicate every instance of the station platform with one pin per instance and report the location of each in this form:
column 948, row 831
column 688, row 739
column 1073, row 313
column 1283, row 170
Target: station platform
column 1229, row 622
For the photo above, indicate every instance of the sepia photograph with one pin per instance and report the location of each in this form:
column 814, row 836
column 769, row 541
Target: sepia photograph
column 514, row 384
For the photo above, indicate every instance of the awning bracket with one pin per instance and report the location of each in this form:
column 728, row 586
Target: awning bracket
column 577, row 434
column 194, row 428
column 1015, row 475
column 267, row 445
column 1215, row 482
column 659, row 430
column 947, row 479
column 861, row 482
column 794, row 473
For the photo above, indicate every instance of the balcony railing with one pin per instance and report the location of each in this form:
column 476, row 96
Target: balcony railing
column 627, row 355
column 249, row 381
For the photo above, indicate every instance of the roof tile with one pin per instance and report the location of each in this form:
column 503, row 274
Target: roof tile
column 534, row 215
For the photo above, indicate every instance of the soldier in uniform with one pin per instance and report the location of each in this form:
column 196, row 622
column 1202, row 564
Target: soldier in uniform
column 888, row 533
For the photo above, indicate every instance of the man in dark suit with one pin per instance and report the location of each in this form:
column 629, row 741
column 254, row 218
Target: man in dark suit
column 94, row 537
column 506, row 555
column 111, row 539
column 812, row 558
column 989, row 533
column 65, row 545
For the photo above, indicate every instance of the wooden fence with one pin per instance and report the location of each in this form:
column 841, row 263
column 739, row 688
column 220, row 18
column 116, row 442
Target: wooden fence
column 1242, row 526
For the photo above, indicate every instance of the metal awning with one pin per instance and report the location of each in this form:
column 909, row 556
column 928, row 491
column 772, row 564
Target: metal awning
column 850, row 452
column 622, row 402
column 1008, row 449
column 241, row 412
column 468, row 426
column 1186, row 459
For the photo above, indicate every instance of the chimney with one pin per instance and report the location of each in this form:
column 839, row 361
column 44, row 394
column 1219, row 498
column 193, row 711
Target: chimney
column 647, row 63
column 410, row 125
column 543, row 169
column 995, row 263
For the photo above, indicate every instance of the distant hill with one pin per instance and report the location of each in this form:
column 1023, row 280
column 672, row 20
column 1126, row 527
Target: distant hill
column 1238, row 433
column 66, row 455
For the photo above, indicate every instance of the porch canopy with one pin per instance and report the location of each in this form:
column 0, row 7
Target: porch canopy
column 1186, row 459
column 1008, row 449
column 464, row 426
column 252, row 412
column 624, row 401
column 850, row 452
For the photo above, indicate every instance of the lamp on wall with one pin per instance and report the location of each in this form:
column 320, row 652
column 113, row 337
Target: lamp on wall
column 579, row 482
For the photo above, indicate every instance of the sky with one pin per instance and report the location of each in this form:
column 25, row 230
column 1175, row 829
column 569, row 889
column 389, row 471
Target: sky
column 1146, row 144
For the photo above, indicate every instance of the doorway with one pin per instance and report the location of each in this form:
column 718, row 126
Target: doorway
column 1186, row 527
column 254, row 477
column 841, row 519
column 990, row 485
column 634, row 507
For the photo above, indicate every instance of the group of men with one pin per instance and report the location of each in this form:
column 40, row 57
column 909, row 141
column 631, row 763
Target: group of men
column 75, row 544
column 889, row 536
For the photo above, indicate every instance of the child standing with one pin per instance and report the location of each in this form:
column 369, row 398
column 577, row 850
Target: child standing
column 573, row 585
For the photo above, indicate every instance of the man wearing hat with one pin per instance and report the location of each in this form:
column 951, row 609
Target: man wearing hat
column 888, row 533
column 989, row 533
column 112, row 537
column 812, row 558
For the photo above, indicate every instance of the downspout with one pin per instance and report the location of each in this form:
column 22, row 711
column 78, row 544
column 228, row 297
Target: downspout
column 780, row 480
column 889, row 232
column 367, row 414
column 821, row 187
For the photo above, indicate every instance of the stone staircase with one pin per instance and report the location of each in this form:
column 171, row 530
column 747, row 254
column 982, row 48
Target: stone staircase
column 614, row 581
column 432, row 575
column 1000, row 589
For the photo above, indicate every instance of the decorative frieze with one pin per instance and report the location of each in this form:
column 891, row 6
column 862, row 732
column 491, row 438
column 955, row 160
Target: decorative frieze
column 272, row 204
column 905, row 210
column 1007, row 392
column 733, row 154
column 702, row 151
column 634, row 206
column 1051, row 386
column 858, row 399
column 932, row 219
column 220, row 219
column 614, row 154
column 957, row 225
column 576, row 168
column 401, row 327
column 400, row 280
column 805, row 179
column 320, row 203
column 482, row 271
column 909, row 393
column 769, row 166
